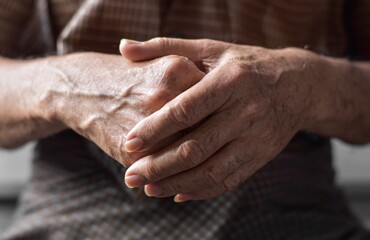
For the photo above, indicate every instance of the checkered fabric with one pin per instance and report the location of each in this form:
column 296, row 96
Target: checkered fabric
column 77, row 192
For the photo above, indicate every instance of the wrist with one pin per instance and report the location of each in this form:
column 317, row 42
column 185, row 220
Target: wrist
column 307, row 83
column 342, row 99
column 24, row 118
column 46, row 100
column 328, row 96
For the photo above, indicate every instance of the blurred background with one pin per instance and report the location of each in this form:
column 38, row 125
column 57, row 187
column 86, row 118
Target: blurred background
column 352, row 164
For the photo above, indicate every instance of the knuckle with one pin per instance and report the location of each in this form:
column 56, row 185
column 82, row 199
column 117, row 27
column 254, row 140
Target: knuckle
column 125, row 159
column 152, row 171
column 150, row 133
column 174, row 188
column 237, row 162
column 182, row 113
column 162, row 42
column 214, row 175
column 177, row 63
column 173, row 66
column 237, row 73
column 230, row 184
column 160, row 95
column 214, row 134
column 191, row 153
column 258, row 109
column 236, row 69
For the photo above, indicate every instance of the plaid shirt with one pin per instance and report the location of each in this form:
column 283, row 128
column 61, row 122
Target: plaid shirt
column 77, row 192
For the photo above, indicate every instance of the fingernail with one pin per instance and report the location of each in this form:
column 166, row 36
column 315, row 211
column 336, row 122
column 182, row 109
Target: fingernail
column 134, row 181
column 134, row 144
column 182, row 198
column 129, row 41
column 153, row 190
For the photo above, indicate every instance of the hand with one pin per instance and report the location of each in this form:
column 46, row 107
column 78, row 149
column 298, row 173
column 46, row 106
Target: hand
column 243, row 113
column 103, row 96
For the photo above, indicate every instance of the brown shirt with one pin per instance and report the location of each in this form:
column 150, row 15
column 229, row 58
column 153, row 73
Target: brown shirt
column 333, row 27
column 76, row 192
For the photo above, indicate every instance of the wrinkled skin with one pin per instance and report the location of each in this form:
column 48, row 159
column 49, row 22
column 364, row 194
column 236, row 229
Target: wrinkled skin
column 103, row 96
column 246, row 109
column 235, row 107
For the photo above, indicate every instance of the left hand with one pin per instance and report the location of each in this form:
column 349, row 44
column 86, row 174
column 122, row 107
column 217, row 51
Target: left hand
column 242, row 114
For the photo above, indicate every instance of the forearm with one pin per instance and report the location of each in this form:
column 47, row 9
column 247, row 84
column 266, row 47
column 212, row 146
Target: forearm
column 343, row 99
column 22, row 88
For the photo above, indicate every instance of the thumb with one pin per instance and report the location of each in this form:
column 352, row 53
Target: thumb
column 160, row 47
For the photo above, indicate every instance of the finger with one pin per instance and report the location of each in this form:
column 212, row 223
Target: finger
column 187, row 152
column 231, row 183
column 129, row 158
column 195, row 50
column 204, row 194
column 207, row 175
column 178, row 75
column 184, row 111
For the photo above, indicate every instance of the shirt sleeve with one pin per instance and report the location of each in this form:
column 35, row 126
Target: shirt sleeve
column 24, row 28
column 360, row 29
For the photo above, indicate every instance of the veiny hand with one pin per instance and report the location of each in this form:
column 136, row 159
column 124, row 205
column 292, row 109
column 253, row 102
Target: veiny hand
column 103, row 96
column 243, row 113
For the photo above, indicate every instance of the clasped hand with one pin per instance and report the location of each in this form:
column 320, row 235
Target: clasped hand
column 238, row 117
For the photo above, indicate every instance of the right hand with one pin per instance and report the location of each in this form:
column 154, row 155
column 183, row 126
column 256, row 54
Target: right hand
column 103, row 96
